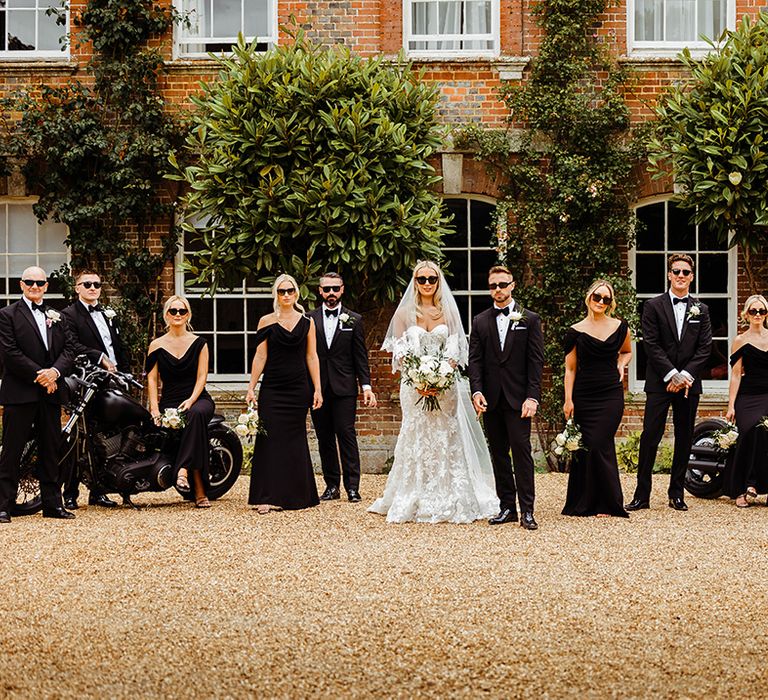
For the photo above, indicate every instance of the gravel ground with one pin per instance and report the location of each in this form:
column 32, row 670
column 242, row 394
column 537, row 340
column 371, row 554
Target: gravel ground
column 335, row 602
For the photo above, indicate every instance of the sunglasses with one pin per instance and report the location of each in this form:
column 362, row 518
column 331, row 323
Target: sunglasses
column 432, row 279
column 32, row 283
column 331, row 288
column 287, row 291
column 178, row 312
column 498, row 285
column 600, row 299
column 757, row 312
column 679, row 271
column 88, row 285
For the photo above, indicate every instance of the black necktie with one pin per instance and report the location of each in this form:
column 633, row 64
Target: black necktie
column 37, row 307
column 95, row 307
column 504, row 311
column 331, row 312
column 679, row 300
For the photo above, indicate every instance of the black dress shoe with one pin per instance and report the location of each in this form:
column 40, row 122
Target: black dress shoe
column 59, row 513
column 5, row 516
column 71, row 503
column 528, row 522
column 354, row 496
column 330, row 494
column 100, row 500
column 677, row 504
column 505, row 516
column 637, row 504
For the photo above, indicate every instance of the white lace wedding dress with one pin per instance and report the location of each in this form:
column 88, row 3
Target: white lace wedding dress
column 442, row 469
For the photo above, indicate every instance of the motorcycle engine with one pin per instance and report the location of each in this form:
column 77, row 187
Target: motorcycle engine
column 129, row 466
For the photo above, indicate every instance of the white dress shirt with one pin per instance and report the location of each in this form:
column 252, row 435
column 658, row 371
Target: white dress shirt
column 103, row 327
column 679, row 311
column 503, row 321
column 39, row 317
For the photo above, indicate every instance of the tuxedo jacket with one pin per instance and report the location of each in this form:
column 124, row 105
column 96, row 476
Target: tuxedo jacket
column 23, row 353
column 514, row 372
column 344, row 364
column 665, row 351
column 87, row 340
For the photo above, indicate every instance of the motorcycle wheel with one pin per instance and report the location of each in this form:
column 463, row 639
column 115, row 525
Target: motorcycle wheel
column 28, row 500
column 226, row 460
column 706, row 484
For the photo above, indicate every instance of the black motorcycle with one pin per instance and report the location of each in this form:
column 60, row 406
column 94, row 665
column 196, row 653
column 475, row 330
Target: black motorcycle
column 115, row 446
column 706, row 466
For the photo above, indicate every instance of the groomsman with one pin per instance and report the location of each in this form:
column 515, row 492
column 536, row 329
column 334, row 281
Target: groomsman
column 677, row 337
column 94, row 333
column 35, row 353
column 343, row 363
column 506, row 358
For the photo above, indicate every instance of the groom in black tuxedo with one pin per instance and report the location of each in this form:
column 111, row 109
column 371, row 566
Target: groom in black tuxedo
column 506, row 358
column 343, row 363
column 36, row 353
column 94, row 333
column 677, row 337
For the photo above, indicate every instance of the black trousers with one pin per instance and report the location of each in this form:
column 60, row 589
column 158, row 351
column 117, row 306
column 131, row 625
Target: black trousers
column 654, row 421
column 335, row 425
column 507, row 430
column 18, row 420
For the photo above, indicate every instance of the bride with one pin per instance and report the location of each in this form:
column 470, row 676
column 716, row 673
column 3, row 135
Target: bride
column 442, row 469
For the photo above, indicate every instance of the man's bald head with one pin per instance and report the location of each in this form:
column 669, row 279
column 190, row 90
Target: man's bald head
column 29, row 283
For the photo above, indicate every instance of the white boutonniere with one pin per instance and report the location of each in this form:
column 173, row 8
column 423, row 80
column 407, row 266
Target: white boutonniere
column 109, row 313
column 694, row 311
column 346, row 320
column 52, row 316
column 515, row 316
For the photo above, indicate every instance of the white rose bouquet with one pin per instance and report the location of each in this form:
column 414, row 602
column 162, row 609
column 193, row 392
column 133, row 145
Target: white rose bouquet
column 568, row 441
column 249, row 425
column 725, row 438
column 429, row 372
column 173, row 419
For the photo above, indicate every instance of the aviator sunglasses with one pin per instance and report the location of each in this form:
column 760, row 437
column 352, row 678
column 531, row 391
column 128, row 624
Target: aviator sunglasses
column 88, row 284
column 498, row 285
column 679, row 271
column 287, row 291
column 757, row 312
column 178, row 312
column 32, row 283
column 331, row 288
column 600, row 299
column 431, row 279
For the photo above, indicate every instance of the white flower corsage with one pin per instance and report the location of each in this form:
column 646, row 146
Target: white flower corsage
column 52, row 316
column 109, row 313
column 694, row 311
column 345, row 319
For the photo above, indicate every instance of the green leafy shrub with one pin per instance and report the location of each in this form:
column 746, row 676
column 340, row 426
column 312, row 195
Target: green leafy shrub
column 627, row 452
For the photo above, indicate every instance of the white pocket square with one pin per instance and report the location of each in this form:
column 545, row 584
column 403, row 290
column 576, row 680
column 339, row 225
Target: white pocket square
column 694, row 321
column 344, row 329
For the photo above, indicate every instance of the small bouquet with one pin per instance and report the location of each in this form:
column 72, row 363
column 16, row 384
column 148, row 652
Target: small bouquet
column 249, row 425
column 725, row 438
column 568, row 441
column 173, row 419
column 764, row 422
column 431, row 371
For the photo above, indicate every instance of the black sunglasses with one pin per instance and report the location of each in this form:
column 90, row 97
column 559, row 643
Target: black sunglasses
column 32, row 283
column 331, row 288
column 178, row 312
column 88, row 284
column 287, row 291
column 757, row 312
column 679, row 271
column 600, row 299
column 498, row 285
column 432, row 279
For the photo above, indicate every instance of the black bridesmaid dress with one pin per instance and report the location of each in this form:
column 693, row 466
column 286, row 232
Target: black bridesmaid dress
column 179, row 376
column 748, row 462
column 281, row 473
column 598, row 406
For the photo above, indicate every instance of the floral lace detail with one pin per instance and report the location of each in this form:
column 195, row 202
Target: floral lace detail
column 432, row 479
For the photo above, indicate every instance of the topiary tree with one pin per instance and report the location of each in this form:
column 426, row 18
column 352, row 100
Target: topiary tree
column 309, row 158
column 711, row 135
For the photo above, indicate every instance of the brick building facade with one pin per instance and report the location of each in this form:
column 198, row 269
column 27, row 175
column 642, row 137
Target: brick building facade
column 469, row 48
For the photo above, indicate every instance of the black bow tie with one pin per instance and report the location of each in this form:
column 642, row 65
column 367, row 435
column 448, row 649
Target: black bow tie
column 95, row 307
column 38, row 307
column 504, row 311
column 331, row 312
column 680, row 300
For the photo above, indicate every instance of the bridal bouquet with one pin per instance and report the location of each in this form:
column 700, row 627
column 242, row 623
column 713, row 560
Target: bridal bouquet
column 568, row 441
column 248, row 424
column 431, row 371
column 173, row 419
column 726, row 437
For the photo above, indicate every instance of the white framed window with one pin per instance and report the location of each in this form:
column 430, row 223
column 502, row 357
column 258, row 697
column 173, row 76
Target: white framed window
column 215, row 24
column 469, row 253
column 23, row 243
column 664, row 27
column 665, row 229
column 29, row 31
column 451, row 27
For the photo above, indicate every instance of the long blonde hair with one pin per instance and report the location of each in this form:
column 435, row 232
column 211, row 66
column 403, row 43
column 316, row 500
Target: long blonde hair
column 751, row 300
column 286, row 278
column 596, row 285
column 437, row 299
column 185, row 302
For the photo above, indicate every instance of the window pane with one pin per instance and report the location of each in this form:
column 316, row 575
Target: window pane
column 708, row 239
column 478, row 17
column 718, row 316
column 712, row 17
column 18, row 263
column 458, row 269
column 256, row 309
column 680, row 20
column 650, row 234
column 458, row 208
column 712, row 273
column 462, row 301
column 682, row 233
column 211, row 350
column 641, row 361
column 22, row 227
column 49, row 33
column 51, row 236
column 230, row 315
column 14, row 4
column 449, row 18
column 21, row 31
column 650, row 273
column 52, row 261
column 481, row 224
column 482, row 261
column 717, row 365
column 202, row 314
column 231, row 354
column 257, row 18
column 424, row 18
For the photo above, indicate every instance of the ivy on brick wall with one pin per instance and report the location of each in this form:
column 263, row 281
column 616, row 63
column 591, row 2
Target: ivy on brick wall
column 566, row 162
column 94, row 152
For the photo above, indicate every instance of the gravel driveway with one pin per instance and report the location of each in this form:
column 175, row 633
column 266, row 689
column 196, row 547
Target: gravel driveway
column 330, row 602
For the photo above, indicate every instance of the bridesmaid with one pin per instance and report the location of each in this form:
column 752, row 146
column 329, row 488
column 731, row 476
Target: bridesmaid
column 180, row 359
column 597, row 351
column 747, row 469
column 281, row 473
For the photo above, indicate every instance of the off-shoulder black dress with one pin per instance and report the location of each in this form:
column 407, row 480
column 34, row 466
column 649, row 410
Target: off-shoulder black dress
column 281, row 473
column 179, row 376
column 748, row 463
column 598, row 406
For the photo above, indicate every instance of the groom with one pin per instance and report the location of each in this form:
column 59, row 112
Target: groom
column 506, row 357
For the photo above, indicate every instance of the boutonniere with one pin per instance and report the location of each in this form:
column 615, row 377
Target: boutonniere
column 52, row 316
column 515, row 316
column 694, row 311
column 346, row 320
column 110, row 313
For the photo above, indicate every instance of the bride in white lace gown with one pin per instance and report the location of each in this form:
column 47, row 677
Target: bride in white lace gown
column 442, row 469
